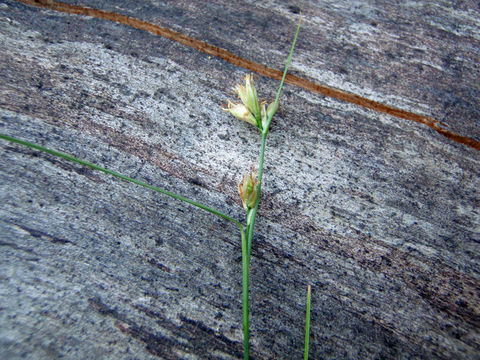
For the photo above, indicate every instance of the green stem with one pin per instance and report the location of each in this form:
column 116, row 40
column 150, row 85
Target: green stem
column 251, row 214
column 120, row 176
column 307, row 323
column 245, row 306
column 264, row 140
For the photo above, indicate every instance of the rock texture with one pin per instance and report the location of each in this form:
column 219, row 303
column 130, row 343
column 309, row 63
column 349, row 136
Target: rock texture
column 380, row 214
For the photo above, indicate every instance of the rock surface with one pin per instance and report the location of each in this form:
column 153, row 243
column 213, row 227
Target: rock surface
column 378, row 213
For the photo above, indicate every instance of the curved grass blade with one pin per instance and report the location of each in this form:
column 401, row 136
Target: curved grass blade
column 120, row 176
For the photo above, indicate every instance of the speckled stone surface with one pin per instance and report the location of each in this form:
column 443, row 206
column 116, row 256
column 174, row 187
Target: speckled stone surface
column 379, row 214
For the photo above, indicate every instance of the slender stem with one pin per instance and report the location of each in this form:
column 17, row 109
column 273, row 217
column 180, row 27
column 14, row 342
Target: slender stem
column 120, row 176
column 264, row 140
column 245, row 305
column 253, row 211
column 307, row 323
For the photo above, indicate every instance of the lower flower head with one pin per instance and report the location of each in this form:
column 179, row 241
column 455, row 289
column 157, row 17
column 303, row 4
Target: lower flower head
column 248, row 190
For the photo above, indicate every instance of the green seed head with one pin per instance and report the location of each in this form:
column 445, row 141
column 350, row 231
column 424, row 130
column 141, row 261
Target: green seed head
column 248, row 190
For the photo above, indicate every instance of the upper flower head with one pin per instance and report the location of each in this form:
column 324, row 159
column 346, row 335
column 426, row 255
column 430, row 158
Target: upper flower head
column 248, row 95
column 250, row 110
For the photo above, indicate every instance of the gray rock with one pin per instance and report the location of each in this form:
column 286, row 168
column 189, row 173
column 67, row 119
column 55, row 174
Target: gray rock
column 378, row 213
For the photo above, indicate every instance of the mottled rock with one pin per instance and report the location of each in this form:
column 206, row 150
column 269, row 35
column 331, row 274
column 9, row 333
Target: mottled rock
column 379, row 214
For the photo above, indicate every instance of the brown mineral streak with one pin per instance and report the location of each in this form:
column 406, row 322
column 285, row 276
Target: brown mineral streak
column 254, row 66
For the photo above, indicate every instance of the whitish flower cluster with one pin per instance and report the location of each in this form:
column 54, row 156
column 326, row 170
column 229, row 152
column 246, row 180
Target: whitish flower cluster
column 250, row 110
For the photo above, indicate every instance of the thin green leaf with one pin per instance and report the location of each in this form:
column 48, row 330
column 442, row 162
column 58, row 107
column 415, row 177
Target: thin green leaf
column 120, row 176
column 307, row 323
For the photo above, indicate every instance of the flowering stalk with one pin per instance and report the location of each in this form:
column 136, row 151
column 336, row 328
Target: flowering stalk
column 250, row 187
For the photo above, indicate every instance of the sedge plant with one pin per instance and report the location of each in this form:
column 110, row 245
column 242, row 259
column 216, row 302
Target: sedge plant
column 257, row 113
